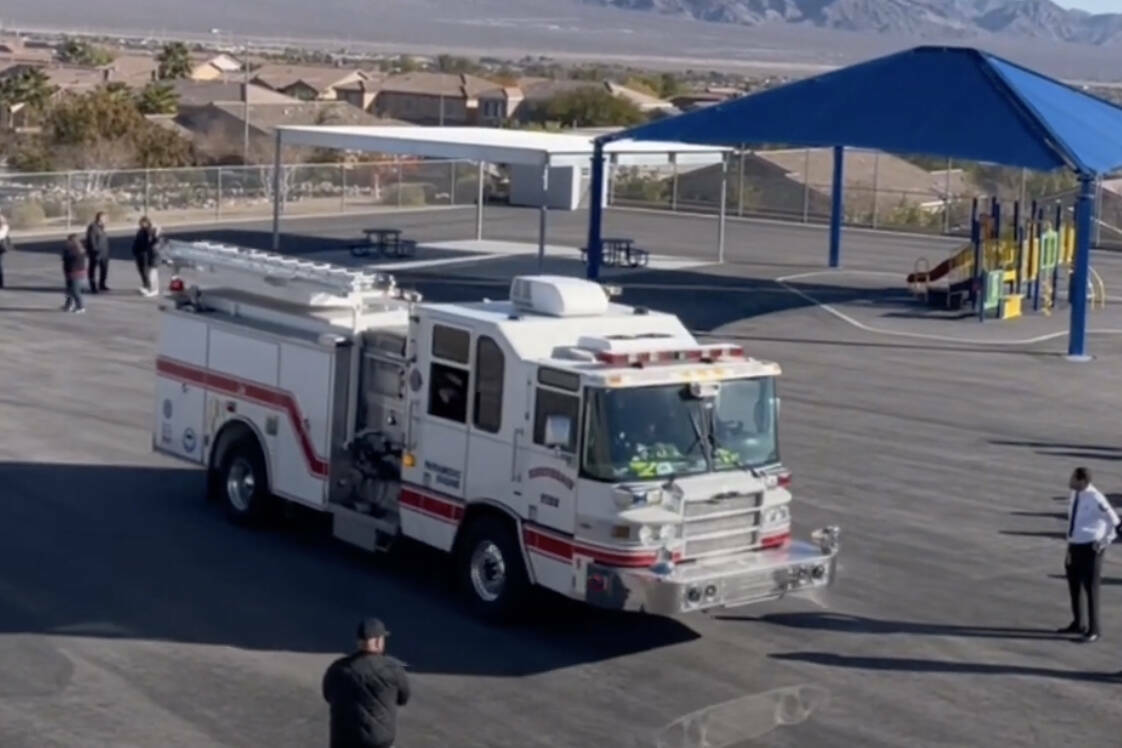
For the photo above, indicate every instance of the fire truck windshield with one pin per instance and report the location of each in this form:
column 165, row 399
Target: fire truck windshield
column 651, row 432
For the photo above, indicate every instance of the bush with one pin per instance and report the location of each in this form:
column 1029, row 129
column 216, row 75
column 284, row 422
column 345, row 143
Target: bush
column 27, row 215
column 406, row 195
column 86, row 208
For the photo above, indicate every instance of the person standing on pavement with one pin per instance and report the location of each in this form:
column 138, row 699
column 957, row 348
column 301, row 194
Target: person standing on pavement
column 97, row 249
column 1091, row 526
column 5, row 244
column 144, row 250
column 73, row 270
column 365, row 689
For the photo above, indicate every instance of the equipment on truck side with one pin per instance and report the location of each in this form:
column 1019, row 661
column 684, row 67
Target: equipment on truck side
column 555, row 439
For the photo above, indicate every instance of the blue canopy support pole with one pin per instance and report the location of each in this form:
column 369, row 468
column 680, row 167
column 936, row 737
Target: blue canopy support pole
column 836, row 207
column 595, row 211
column 1084, row 209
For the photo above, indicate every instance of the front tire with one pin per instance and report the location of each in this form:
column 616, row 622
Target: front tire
column 243, row 485
column 490, row 571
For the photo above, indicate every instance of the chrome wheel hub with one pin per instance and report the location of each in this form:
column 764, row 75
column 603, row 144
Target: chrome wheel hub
column 488, row 571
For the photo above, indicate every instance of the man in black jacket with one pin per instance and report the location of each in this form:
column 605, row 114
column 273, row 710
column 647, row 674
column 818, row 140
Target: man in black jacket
column 97, row 248
column 364, row 690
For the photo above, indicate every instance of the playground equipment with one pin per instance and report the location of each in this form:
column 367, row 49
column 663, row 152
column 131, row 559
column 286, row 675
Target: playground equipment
column 1002, row 276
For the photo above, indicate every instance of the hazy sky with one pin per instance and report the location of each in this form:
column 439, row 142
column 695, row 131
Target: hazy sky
column 1095, row 6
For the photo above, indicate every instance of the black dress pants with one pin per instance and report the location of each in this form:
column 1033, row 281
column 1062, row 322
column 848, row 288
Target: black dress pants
column 1084, row 570
column 98, row 272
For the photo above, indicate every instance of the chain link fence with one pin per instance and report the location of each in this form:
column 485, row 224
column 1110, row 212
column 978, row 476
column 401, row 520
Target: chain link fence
column 882, row 191
column 68, row 201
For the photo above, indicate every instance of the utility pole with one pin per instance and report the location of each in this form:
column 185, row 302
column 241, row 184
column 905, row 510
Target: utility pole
column 245, row 109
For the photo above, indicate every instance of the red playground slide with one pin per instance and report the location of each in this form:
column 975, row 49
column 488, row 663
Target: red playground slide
column 933, row 274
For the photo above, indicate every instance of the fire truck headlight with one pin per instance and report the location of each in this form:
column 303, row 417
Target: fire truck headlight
column 646, row 535
column 777, row 515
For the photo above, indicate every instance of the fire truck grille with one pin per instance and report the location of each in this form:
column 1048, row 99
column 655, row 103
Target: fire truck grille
column 719, row 544
column 694, row 528
column 736, row 502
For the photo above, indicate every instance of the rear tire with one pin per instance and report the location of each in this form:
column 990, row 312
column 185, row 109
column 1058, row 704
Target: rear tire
column 242, row 484
column 490, row 572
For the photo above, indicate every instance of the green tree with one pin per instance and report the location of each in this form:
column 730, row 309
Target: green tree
column 590, row 107
column 82, row 52
column 174, row 61
column 158, row 97
column 669, row 86
column 31, row 87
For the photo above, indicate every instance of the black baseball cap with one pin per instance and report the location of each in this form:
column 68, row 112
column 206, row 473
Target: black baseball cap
column 371, row 628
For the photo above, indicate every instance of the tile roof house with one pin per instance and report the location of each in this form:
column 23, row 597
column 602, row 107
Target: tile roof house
column 431, row 98
column 219, row 127
column 306, row 82
column 201, row 93
column 213, row 68
column 781, row 182
column 363, row 92
column 501, row 104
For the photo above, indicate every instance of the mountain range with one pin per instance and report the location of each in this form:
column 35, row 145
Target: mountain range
column 941, row 19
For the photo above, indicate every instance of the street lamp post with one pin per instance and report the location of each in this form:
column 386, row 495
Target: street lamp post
column 245, row 91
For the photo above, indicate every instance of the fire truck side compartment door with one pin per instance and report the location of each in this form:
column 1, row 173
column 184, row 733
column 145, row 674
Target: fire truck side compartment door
column 303, row 453
column 549, row 473
column 180, row 396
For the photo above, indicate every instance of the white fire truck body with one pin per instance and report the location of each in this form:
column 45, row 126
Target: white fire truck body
column 556, row 438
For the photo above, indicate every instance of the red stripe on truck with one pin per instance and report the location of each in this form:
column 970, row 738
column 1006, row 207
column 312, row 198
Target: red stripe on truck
column 258, row 393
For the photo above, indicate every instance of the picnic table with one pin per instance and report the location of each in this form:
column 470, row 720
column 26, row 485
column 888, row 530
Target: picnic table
column 384, row 241
column 621, row 251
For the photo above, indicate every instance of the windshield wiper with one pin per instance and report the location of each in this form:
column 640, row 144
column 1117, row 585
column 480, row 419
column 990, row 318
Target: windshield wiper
column 700, row 440
column 715, row 444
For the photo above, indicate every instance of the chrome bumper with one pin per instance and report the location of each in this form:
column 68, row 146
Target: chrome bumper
column 747, row 578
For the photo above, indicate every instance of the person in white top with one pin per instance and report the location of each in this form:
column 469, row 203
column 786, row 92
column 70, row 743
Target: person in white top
column 1092, row 525
column 5, row 245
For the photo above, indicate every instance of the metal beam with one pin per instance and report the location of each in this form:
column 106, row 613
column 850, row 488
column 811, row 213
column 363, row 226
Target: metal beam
column 543, row 214
column 1084, row 210
column 479, row 204
column 723, row 209
column 836, row 207
column 277, row 190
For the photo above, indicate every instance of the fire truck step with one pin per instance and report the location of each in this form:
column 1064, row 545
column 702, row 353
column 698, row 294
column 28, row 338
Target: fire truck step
column 362, row 530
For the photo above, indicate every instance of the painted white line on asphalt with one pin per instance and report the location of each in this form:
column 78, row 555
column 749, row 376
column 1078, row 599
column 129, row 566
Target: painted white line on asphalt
column 431, row 263
column 920, row 335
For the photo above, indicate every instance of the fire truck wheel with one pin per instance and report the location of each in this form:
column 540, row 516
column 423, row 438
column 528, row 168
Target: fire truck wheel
column 489, row 568
column 242, row 483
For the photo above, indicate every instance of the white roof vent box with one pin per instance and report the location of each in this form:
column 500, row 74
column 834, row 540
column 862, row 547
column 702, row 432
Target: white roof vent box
column 558, row 296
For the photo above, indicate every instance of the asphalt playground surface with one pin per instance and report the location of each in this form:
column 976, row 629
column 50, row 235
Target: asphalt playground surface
column 133, row 614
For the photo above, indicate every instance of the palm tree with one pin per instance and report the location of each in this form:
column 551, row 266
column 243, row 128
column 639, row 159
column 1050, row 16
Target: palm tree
column 175, row 61
column 31, row 87
column 158, row 98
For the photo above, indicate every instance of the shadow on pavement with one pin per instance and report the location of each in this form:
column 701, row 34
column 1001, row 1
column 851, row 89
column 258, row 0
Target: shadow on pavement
column 913, row 665
column 137, row 553
column 840, row 622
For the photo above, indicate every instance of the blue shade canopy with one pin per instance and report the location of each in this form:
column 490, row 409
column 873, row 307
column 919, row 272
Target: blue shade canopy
column 956, row 102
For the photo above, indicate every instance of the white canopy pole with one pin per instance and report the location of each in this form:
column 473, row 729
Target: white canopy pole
column 479, row 205
column 543, row 213
column 277, row 191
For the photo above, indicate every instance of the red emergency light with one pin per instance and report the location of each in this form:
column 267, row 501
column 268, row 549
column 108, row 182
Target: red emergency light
column 701, row 353
column 176, row 285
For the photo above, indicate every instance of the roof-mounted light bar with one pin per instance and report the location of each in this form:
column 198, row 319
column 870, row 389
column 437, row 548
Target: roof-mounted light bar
column 705, row 353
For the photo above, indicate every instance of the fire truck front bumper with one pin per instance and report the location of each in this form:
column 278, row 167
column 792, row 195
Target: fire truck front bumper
column 746, row 578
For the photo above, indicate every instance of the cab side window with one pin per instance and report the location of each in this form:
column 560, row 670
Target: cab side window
column 552, row 403
column 489, row 367
column 448, row 384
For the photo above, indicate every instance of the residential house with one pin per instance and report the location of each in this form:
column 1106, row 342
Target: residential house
column 306, row 82
column 523, row 103
column 135, row 71
column 432, row 98
column 218, row 67
column 200, row 93
column 788, row 182
column 13, row 49
column 218, row 127
column 361, row 93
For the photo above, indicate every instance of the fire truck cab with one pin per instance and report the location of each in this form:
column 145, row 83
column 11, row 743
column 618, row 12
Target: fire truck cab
column 554, row 438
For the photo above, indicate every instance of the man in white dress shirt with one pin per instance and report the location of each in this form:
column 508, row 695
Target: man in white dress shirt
column 1091, row 526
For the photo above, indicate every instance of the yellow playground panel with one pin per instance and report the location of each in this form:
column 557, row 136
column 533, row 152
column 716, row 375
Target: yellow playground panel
column 1020, row 271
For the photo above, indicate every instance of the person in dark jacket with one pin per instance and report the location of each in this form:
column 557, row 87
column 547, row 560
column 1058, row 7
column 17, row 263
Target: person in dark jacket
column 97, row 252
column 73, row 269
column 364, row 690
column 144, row 249
column 5, row 245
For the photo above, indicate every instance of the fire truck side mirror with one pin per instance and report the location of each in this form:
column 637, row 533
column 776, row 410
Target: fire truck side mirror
column 558, row 430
